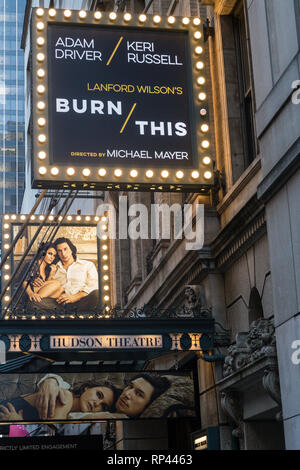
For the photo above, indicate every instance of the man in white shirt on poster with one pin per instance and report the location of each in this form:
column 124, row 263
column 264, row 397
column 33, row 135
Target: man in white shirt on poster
column 78, row 278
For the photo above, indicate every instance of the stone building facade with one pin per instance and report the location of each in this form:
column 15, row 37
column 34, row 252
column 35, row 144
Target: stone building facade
column 249, row 265
column 247, row 274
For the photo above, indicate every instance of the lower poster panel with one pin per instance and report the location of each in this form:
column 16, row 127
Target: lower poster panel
column 95, row 396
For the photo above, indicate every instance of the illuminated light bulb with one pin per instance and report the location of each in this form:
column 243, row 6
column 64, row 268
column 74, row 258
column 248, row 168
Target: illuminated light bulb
column 51, row 217
column 179, row 174
column 42, row 155
column 156, row 19
column 6, row 298
column 41, row 89
column 97, row 15
column 6, row 217
column 13, row 217
column 67, row 13
column 96, row 219
column 6, row 266
column 60, row 218
column 103, row 219
column 41, row 122
column 23, row 217
column 6, row 226
column 196, row 21
column 105, row 257
column 195, row 174
column 104, row 237
column 107, row 309
column 133, row 173
column 202, row 96
column 40, row 26
column 69, row 218
column 42, row 138
column 41, row 105
column 105, row 277
column 6, row 277
column 185, row 20
column 197, row 35
column 206, row 160
column 40, row 41
column 203, row 112
column 118, row 172
column 149, row 173
column 32, row 217
column 104, row 288
column 52, row 12
column 40, row 56
column 87, row 218
column 6, row 246
column 164, row 174
column 39, row 12
column 199, row 65
column 112, row 16
column 102, row 172
column 41, row 217
column 6, row 236
column 142, row 18
column 127, row 17
column 104, row 247
column 54, row 171
column 204, row 128
column 106, row 297
column 104, row 228
column 40, row 73
column 70, row 171
column 171, row 19
column 42, row 170
column 86, row 172
column 207, row 175
column 200, row 80
column 82, row 14
column 199, row 50
column 105, row 267
column 205, row 144
column 78, row 217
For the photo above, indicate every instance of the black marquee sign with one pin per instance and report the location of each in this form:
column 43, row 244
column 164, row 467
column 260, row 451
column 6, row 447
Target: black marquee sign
column 119, row 102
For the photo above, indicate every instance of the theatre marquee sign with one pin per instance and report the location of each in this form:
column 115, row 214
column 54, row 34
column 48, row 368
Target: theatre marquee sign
column 106, row 342
column 119, row 102
column 36, row 343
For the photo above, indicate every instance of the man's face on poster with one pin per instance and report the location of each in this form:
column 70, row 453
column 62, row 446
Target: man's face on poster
column 64, row 252
column 135, row 397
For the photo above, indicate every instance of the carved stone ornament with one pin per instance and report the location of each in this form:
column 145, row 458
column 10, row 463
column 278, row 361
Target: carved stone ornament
column 258, row 342
column 272, row 386
column 232, row 406
column 194, row 303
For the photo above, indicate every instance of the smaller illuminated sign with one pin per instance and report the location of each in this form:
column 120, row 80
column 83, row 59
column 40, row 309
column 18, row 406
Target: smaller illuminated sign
column 87, row 236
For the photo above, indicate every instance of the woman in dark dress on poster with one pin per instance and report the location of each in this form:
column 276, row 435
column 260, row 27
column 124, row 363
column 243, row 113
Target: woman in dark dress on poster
column 43, row 268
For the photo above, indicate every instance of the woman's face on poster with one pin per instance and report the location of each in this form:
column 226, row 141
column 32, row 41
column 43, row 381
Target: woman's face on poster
column 96, row 399
column 50, row 255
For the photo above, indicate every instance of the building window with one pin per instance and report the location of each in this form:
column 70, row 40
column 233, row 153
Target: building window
column 245, row 83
